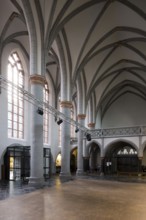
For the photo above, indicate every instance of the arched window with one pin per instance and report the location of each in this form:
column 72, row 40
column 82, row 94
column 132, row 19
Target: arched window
column 15, row 75
column 46, row 115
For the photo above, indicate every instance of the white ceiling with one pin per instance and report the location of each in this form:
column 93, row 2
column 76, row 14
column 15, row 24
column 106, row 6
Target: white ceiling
column 104, row 42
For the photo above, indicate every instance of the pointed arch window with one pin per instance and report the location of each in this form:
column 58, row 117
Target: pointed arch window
column 15, row 74
column 46, row 115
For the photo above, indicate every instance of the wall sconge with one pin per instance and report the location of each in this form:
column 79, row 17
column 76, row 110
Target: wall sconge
column 88, row 136
column 40, row 111
column 59, row 121
column 77, row 129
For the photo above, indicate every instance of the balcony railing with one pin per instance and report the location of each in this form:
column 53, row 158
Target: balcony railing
column 118, row 132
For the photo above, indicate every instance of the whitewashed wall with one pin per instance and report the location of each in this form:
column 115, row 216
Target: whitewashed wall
column 129, row 110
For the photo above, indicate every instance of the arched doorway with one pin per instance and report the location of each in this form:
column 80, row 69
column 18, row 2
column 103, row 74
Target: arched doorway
column 58, row 163
column 17, row 163
column 143, row 161
column 121, row 157
column 73, row 160
column 94, row 159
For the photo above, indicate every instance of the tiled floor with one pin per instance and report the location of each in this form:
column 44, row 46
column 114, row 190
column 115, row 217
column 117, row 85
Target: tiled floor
column 79, row 199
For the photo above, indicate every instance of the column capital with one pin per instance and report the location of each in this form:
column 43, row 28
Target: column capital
column 66, row 104
column 37, row 79
column 140, row 157
column 91, row 125
column 81, row 116
column 86, row 158
column 102, row 157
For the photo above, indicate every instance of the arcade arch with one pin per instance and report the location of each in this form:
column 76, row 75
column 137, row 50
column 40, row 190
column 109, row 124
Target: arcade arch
column 73, row 160
column 143, row 162
column 121, row 157
column 94, row 157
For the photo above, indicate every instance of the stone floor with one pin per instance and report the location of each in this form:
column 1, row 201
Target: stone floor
column 86, row 198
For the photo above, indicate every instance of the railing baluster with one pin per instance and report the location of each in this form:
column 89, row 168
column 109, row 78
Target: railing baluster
column 118, row 132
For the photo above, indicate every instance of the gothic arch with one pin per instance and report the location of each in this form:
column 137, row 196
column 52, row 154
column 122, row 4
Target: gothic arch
column 109, row 145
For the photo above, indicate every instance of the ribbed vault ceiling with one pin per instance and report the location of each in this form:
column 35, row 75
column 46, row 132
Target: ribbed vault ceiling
column 103, row 43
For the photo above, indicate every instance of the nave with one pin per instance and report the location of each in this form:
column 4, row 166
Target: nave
column 78, row 199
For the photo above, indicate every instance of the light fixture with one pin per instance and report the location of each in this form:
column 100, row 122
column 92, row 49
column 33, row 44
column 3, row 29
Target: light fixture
column 88, row 136
column 77, row 129
column 40, row 111
column 59, row 121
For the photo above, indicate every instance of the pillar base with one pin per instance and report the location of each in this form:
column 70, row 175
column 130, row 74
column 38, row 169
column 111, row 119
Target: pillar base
column 101, row 174
column 65, row 176
column 80, row 173
column 36, row 181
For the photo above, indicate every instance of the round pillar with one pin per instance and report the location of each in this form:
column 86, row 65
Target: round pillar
column 36, row 161
column 81, row 120
column 65, row 141
column 140, row 165
column 85, row 157
column 102, row 167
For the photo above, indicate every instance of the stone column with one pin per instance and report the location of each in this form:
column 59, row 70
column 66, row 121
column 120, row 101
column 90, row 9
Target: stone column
column 81, row 120
column 65, row 141
column 85, row 156
column 102, row 167
column 140, row 156
column 36, row 162
column 102, row 157
column 85, row 148
column 140, row 165
column 92, row 166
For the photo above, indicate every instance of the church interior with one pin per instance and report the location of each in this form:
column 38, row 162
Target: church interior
column 73, row 106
